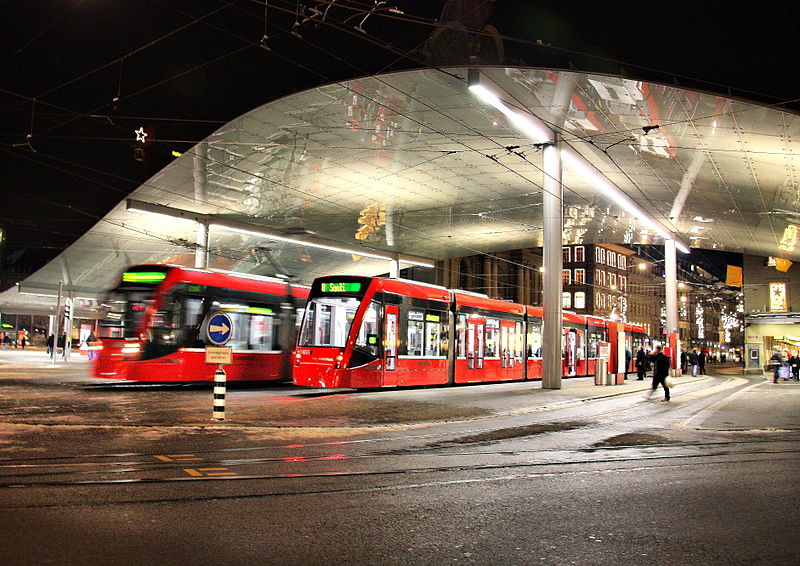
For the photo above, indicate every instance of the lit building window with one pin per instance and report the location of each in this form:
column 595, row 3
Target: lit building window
column 622, row 262
column 602, row 253
column 612, row 259
column 601, row 278
column 580, row 276
column 566, row 277
column 580, row 300
column 567, row 255
column 579, row 254
column 566, row 300
column 612, row 280
column 777, row 297
column 597, row 300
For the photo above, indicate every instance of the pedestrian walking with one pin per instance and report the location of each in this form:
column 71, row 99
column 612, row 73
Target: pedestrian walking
column 661, row 364
column 775, row 362
column 50, row 343
column 702, row 362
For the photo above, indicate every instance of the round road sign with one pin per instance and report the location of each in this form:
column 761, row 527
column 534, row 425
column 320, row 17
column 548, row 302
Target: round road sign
column 219, row 328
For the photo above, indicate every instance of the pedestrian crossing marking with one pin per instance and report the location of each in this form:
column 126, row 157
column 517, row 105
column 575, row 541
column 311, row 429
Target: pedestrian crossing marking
column 209, row 472
column 179, row 458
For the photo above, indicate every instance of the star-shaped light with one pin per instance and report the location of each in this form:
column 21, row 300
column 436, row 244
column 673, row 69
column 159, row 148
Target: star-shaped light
column 140, row 134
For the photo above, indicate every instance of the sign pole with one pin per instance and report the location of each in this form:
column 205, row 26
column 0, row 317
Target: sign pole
column 219, row 330
column 220, row 380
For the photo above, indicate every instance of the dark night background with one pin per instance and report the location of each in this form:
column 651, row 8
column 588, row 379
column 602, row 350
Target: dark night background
column 77, row 77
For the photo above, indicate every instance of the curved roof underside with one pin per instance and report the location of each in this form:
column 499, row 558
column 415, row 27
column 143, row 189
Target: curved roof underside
column 455, row 178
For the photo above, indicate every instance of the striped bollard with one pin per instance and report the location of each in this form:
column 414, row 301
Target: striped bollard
column 219, row 394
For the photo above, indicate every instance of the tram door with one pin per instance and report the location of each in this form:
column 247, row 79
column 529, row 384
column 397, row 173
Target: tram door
column 475, row 343
column 507, row 343
column 390, row 349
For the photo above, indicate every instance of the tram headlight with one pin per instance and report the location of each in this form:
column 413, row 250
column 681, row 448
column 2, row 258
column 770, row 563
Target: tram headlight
column 339, row 359
column 130, row 349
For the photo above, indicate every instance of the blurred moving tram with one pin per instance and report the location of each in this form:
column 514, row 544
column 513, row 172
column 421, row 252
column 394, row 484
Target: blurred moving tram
column 154, row 327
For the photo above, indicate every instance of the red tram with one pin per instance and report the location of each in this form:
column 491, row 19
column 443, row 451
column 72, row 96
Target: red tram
column 154, row 328
column 366, row 332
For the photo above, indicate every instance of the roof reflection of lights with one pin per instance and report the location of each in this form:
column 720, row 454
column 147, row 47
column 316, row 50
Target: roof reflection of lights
column 540, row 132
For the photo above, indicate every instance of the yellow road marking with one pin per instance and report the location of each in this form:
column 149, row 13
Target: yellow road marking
column 194, row 473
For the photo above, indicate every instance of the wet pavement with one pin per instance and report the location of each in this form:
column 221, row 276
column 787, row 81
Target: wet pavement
column 34, row 391
column 95, row 472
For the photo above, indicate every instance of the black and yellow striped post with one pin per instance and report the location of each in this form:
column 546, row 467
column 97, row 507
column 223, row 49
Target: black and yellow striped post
column 219, row 393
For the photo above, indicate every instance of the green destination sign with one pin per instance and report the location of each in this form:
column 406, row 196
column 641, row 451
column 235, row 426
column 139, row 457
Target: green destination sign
column 340, row 287
column 143, row 277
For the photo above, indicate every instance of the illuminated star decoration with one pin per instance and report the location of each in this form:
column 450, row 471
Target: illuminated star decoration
column 140, row 134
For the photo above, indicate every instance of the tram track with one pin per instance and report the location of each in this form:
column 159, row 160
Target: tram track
column 89, row 464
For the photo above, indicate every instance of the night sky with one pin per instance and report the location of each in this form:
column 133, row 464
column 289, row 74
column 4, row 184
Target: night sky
column 77, row 77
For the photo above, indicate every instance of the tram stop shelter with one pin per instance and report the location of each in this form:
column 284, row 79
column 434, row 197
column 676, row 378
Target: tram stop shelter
column 374, row 174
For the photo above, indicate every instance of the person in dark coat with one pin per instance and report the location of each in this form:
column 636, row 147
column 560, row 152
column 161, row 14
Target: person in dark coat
column 661, row 365
column 50, row 343
column 694, row 361
column 684, row 361
column 641, row 364
column 794, row 364
column 702, row 360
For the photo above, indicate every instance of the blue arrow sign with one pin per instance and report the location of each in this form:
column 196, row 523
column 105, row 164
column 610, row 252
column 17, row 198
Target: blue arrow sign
column 219, row 328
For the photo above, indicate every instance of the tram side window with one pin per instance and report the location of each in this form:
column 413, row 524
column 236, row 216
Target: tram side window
column 416, row 333
column 518, row 341
column 368, row 338
column 461, row 332
column 433, row 338
column 535, row 338
column 591, row 344
column 492, row 338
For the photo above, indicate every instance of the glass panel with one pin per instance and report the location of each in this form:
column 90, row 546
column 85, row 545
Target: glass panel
column 492, row 338
column 566, row 300
column 125, row 313
column 433, row 338
column 535, row 338
column 368, row 338
column 580, row 300
column 327, row 321
column 461, row 327
column 416, row 335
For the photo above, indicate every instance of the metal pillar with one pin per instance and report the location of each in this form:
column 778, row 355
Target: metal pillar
column 671, row 295
column 201, row 252
column 552, row 226
column 59, row 316
column 394, row 267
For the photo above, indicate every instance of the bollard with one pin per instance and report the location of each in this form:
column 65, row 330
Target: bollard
column 219, row 394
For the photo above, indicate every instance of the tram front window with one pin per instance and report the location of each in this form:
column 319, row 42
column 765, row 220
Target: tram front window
column 125, row 313
column 327, row 321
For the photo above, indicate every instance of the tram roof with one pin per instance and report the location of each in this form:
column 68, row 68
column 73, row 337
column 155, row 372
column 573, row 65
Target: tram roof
column 453, row 176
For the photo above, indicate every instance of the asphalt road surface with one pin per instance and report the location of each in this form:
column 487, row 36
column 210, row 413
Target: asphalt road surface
column 494, row 474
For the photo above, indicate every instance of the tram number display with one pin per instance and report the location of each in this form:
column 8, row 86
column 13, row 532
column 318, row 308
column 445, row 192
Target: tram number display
column 340, row 287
